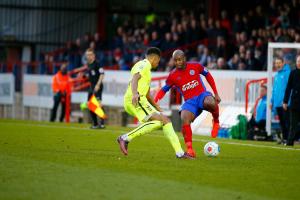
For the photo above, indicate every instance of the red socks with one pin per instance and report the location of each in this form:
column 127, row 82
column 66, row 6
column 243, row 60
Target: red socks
column 187, row 134
column 215, row 114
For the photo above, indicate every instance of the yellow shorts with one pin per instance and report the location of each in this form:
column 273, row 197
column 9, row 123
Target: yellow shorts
column 143, row 111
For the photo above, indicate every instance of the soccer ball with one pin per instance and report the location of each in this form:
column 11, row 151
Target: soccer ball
column 211, row 149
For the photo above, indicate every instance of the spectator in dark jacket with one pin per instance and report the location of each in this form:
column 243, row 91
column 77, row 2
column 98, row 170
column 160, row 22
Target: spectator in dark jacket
column 237, row 25
column 251, row 62
column 155, row 41
column 193, row 32
column 221, row 64
column 233, row 63
column 293, row 87
column 167, row 43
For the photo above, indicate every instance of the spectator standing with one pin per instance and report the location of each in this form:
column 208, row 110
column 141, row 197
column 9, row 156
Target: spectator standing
column 237, row 25
column 293, row 87
column 61, row 86
column 193, row 32
column 279, row 86
column 225, row 23
column 84, row 45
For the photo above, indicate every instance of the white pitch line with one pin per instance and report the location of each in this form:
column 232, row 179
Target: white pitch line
column 239, row 144
column 116, row 131
column 250, row 145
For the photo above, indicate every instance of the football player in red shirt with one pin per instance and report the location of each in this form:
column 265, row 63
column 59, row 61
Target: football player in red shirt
column 186, row 78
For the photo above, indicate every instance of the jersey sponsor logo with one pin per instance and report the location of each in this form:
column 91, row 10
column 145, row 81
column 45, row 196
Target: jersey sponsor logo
column 192, row 72
column 190, row 85
column 93, row 72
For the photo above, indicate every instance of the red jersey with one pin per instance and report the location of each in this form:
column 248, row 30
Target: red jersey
column 187, row 80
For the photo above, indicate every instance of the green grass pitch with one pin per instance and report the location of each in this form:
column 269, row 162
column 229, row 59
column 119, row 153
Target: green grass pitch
column 39, row 160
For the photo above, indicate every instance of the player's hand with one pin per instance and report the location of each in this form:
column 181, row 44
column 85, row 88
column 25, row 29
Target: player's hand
column 285, row 106
column 271, row 106
column 135, row 99
column 218, row 99
column 96, row 89
column 158, row 108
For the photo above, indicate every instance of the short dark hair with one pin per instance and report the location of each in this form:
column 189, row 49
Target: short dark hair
column 153, row 50
column 279, row 58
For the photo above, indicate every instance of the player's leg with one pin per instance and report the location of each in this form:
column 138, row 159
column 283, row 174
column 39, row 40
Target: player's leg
column 294, row 123
column 99, row 98
column 169, row 133
column 56, row 98
column 143, row 113
column 63, row 111
column 211, row 105
column 187, row 117
column 92, row 114
column 152, row 120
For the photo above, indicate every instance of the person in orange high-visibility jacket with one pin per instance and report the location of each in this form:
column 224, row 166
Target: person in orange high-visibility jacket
column 61, row 86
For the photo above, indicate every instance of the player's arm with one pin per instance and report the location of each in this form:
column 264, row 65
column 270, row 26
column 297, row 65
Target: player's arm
column 161, row 93
column 134, row 85
column 153, row 103
column 212, row 83
column 287, row 93
column 55, row 86
column 100, row 80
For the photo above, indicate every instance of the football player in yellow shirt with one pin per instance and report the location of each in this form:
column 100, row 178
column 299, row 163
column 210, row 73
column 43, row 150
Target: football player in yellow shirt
column 139, row 103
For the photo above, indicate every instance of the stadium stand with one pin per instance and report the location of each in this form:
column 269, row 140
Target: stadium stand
column 233, row 41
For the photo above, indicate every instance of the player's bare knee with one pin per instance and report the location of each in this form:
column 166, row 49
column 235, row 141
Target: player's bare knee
column 211, row 107
column 210, row 103
column 186, row 119
column 161, row 118
column 213, row 104
column 158, row 117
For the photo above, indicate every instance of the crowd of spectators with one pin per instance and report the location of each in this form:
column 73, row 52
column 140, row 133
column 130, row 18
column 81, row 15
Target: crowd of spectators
column 236, row 41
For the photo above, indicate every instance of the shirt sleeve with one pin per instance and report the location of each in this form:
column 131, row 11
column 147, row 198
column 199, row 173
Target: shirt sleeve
column 139, row 68
column 288, row 89
column 202, row 70
column 161, row 93
column 169, row 82
column 101, row 70
column 55, row 87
